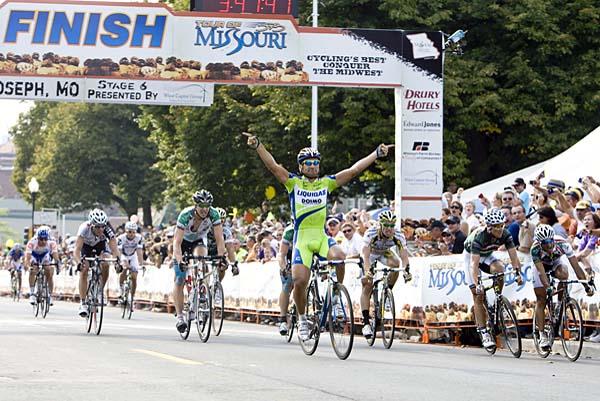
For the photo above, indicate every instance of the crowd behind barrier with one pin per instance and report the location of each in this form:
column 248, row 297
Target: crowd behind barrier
column 438, row 295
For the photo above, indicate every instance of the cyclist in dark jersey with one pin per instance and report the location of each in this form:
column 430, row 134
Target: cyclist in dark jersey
column 478, row 253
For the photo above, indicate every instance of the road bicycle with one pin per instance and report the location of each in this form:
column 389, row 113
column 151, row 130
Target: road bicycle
column 334, row 312
column 563, row 318
column 42, row 291
column 384, row 307
column 501, row 319
column 126, row 298
column 94, row 297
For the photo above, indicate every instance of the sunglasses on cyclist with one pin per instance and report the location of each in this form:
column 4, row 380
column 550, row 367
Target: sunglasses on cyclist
column 99, row 226
column 131, row 232
column 548, row 241
column 309, row 163
column 497, row 226
column 203, row 205
column 388, row 225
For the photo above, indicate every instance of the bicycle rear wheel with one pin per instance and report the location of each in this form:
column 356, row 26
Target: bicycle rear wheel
column 218, row 306
column 388, row 318
column 14, row 287
column 548, row 329
column 124, row 300
column 38, row 289
column 341, row 321
column 509, row 328
column 204, row 312
column 291, row 318
column 571, row 330
column 312, row 316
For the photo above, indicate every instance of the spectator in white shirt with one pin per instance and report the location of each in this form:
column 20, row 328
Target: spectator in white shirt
column 353, row 242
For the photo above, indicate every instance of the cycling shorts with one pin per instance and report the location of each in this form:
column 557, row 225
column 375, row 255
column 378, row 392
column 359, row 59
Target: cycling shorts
column 187, row 247
column 310, row 242
column 484, row 266
column 89, row 251
column 132, row 260
column 16, row 266
column 550, row 269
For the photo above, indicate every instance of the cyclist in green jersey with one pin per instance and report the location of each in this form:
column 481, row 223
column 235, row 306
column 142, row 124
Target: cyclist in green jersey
column 478, row 256
column 308, row 195
column 190, row 238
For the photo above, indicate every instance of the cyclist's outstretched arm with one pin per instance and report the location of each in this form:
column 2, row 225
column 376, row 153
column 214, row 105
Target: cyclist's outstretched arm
column 177, row 240
column 514, row 259
column 344, row 176
column 577, row 268
column 267, row 158
column 114, row 249
column 218, row 232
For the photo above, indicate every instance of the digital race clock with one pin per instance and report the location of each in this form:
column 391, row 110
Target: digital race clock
column 263, row 7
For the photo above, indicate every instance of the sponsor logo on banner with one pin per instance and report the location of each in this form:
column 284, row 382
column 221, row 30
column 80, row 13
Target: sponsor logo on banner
column 422, row 178
column 422, row 101
column 420, row 146
column 235, row 35
column 422, row 46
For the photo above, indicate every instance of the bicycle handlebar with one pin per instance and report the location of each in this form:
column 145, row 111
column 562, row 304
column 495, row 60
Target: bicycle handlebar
column 93, row 259
column 339, row 262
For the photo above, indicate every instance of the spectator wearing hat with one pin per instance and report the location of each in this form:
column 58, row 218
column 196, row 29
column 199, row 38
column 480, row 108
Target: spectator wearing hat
column 582, row 208
column 447, row 242
column 519, row 186
column 333, row 229
column 458, row 244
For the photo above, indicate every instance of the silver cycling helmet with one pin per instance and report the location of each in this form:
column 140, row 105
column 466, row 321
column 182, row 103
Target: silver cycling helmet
column 98, row 218
column 543, row 232
column 131, row 226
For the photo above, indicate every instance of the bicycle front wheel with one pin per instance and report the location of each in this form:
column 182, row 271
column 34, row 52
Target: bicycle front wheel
column 192, row 299
column 204, row 312
column 508, row 326
column 13, row 286
column 388, row 318
column 341, row 321
column 45, row 299
column 375, row 318
column 218, row 312
column 291, row 318
column 129, row 304
column 571, row 330
column 313, row 317
column 548, row 329
column 99, row 309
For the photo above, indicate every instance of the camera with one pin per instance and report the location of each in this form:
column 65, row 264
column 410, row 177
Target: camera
column 531, row 182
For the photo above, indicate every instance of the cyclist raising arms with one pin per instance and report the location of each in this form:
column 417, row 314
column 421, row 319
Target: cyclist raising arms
column 41, row 249
column 478, row 253
column 546, row 253
column 379, row 242
column 95, row 237
column 190, row 238
column 308, row 200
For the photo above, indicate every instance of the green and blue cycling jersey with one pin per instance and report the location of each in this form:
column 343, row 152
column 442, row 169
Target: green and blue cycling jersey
column 308, row 202
column 194, row 234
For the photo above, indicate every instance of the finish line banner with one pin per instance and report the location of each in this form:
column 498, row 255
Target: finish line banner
column 150, row 42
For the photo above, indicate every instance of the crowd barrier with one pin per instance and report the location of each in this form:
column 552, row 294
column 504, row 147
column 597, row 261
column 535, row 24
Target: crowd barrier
column 438, row 283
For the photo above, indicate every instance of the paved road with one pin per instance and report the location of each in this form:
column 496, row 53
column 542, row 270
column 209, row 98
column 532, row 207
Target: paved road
column 144, row 359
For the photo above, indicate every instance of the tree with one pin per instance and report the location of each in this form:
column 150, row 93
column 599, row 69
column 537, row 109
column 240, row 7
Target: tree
column 88, row 154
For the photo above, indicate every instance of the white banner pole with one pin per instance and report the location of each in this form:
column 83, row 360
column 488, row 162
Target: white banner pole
column 398, row 154
column 314, row 123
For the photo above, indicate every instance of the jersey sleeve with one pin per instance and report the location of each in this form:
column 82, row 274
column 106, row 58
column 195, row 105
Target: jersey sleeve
column 369, row 235
column 508, row 240
column 331, row 183
column 82, row 229
column 109, row 232
column 183, row 219
column 399, row 239
column 566, row 248
column 29, row 246
column 53, row 246
column 288, row 236
column 290, row 182
column 535, row 253
column 214, row 217
column 140, row 243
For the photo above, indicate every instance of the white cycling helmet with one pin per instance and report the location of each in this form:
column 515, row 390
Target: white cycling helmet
column 543, row 232
column 203, row 197
column 131, row 226
column 308, row 153
column 43, row 232
column 387, row 216
column 222, row 213
column 494, row 216
column 97, row 217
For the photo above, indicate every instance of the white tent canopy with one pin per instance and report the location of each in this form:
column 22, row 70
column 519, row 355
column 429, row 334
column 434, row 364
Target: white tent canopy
column 578, row 161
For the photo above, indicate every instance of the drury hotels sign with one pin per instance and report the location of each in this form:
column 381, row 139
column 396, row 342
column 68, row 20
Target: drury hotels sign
column 146, row 53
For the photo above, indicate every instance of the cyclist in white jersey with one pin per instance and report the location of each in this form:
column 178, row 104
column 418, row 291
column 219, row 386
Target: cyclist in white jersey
column 41, row 249
column 95, row 237
column 378, row 245
column 131, row 246
column 229, row 244
column 190, row 238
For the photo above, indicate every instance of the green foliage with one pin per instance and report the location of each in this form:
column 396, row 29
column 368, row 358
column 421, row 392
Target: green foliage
column 86, row 153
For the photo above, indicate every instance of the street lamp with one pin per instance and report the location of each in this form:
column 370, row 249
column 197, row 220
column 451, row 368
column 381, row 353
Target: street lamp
column 34, row 187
